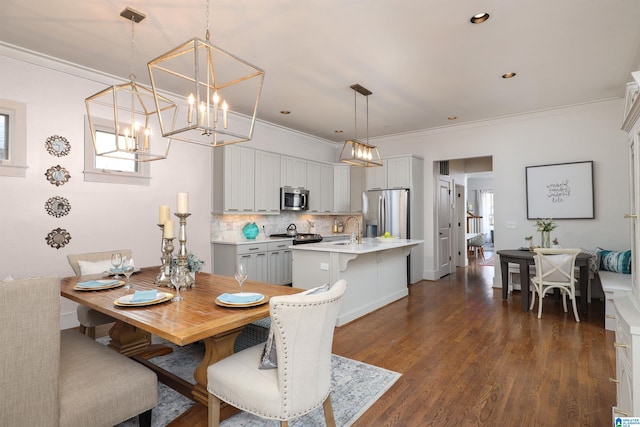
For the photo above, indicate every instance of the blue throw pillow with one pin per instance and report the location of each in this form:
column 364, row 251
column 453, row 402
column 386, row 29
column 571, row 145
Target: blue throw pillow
column 618, row 262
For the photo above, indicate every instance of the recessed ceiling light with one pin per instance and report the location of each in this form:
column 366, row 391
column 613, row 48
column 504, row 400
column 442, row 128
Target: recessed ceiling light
column 338, row 131
column 452, row 117
column 285, row 112
column 479, row 18
column 508, row 75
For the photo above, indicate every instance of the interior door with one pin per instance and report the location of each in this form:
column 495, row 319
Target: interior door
column 445, row 207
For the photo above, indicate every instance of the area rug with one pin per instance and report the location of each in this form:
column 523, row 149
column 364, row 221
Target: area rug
column 489, row 262
column 355, row 387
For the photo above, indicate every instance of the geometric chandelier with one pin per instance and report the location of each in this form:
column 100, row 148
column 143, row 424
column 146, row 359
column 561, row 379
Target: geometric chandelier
column 216, row 92
column 354, row 151
column 128, row 112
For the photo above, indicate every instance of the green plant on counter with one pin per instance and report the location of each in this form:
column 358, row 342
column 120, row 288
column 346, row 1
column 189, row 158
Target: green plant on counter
column 546, row 224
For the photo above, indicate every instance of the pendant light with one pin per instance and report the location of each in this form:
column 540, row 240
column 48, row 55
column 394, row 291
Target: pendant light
column 355, row 152
column 217, row 92
column 128, row 111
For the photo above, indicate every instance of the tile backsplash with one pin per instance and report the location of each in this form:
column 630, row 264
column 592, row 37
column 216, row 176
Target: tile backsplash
column 229, row 227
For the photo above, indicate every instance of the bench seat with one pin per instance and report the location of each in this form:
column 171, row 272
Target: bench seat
column 612, row 282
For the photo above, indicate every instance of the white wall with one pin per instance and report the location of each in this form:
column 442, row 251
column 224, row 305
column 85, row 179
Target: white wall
column 103, row 216
column 579, row 133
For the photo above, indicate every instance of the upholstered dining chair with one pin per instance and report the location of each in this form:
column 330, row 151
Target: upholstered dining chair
column 92, row 263
column 555, row 269
column 302, row 334
column 476, row 243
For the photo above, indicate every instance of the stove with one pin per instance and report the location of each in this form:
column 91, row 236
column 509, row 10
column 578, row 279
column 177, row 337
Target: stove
column 301, row 238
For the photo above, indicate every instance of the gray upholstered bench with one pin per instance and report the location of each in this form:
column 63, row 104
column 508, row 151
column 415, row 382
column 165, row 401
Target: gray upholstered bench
column 54, row 378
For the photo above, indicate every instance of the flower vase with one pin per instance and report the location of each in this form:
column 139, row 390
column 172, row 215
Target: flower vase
column 193, row 277
column 546, row 239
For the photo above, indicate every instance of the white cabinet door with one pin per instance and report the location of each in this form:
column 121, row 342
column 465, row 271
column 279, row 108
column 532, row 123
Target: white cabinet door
column 280, row 267
column 341, row 189
column 239, row 179
column 314, row 185
column 326, row 188
column 399, row 172
column 257, row 266
column 293, row 172
column 267, row 182
column 376, row 177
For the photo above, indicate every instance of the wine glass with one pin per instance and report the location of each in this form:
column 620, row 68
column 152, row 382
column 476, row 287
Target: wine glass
column 127, row 269
column 241, row 274
column 177, row 280
column 116, row 260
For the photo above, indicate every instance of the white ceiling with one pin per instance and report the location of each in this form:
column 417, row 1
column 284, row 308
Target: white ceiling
column 422, row 59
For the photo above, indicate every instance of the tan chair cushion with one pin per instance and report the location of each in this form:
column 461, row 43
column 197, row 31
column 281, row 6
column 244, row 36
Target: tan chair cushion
column 100, row 387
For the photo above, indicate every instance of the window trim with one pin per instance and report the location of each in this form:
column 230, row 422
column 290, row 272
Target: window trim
column 93, row 174
column 16, row 165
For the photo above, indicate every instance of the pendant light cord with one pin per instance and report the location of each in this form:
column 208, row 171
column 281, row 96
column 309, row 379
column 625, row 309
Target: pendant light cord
column 132, row 74
column 208, row 34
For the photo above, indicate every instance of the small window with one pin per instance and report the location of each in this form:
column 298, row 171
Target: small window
column 107, row 169
column 13, row 138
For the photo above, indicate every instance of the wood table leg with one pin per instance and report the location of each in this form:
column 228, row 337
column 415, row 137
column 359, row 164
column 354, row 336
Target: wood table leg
column 127, row 339
column 524, row 285
column 504, row 272
column 216, row 348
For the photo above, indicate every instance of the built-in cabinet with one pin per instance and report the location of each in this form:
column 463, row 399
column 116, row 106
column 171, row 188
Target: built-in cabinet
column 627, row 303
column 394, row 173
column 267, row 182
column 268, row 262
column 293, row 172
column 248, row 181
column 342, row 188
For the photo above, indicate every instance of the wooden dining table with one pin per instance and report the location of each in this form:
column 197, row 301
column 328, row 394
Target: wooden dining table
column 525, row 258
column 196, row 318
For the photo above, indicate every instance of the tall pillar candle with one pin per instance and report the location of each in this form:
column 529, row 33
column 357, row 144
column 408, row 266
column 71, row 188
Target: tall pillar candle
column 165, row 214
column 168, row 232
column 183, row 202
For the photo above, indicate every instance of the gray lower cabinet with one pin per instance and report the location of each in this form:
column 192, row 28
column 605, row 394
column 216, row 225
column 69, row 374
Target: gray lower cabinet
column 268, row 262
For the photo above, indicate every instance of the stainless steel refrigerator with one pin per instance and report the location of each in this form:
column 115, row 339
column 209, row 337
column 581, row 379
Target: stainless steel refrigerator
column 386, row 210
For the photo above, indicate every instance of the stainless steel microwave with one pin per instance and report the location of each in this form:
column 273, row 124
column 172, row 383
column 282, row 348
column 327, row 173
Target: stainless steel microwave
column 294, row 199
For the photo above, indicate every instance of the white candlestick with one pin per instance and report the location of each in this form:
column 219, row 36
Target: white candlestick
column 225, row 107
column 169, row 231
column 165, row 214
column 183, row 202
column 191, row 100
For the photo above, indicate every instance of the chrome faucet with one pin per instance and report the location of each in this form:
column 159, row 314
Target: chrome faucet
column 359, row 232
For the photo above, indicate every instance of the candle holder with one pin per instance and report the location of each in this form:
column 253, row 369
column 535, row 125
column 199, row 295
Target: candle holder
column 164, row 277
column 182, row 250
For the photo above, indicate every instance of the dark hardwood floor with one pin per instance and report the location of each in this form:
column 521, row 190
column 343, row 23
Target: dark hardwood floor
column 468, row 358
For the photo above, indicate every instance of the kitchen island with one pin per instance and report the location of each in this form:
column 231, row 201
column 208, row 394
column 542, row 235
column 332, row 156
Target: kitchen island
column 375, row 271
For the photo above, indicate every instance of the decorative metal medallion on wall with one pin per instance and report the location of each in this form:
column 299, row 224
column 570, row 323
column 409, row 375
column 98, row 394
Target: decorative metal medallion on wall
column 58, row 238
column 57, row 206
column 57, row 175
column 57, row 146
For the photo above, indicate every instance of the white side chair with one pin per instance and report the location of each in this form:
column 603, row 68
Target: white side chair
column 302, row 327
column 92, row 263
column 555, row 269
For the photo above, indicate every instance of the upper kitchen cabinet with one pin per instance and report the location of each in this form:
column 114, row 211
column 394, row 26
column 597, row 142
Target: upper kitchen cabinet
column 233, row 180
column 396, row 172
column 320, row 186
column 293, row 172
column 267, row 182
column 342, row 188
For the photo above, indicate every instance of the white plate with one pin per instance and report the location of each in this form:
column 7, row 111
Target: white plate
column 242, row 304
column 386, row 239
column 107, row 284
column 125, row 301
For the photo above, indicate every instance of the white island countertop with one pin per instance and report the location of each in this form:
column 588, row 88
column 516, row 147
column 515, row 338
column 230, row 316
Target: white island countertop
column 368, row 245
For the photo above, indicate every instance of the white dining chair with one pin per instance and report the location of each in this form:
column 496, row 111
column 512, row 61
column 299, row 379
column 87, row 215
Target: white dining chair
column 302, row 329
column 555, row 269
